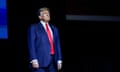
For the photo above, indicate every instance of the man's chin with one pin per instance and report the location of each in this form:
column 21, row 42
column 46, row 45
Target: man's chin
column 47, row 20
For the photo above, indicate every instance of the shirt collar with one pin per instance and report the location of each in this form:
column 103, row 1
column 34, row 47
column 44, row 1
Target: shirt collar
column 43, row 23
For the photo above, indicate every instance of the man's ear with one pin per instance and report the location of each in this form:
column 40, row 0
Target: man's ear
column 39, row 17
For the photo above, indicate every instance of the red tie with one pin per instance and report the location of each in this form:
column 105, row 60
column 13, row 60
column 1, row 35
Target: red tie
column 50, row 39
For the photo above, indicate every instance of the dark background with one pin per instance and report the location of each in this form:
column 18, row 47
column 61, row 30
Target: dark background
column 93, row 7
column 87, row 46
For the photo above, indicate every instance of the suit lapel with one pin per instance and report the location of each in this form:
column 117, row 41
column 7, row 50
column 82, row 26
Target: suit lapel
column 42, row 30
column 52, row 29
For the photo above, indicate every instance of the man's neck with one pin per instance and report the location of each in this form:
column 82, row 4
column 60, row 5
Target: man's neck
column 46, row 22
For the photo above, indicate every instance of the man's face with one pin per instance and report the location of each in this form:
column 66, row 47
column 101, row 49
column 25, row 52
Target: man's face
column 45, row 16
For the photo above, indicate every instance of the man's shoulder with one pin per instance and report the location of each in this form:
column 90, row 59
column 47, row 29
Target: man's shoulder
column 53, row 26
column 33, row 25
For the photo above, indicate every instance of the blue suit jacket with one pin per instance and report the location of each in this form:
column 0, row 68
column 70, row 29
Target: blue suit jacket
column 39, row 46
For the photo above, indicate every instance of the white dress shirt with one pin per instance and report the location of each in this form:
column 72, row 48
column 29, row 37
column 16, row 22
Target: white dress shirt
column 43, row 23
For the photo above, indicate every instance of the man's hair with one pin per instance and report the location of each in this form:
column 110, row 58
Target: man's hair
column 42, row 9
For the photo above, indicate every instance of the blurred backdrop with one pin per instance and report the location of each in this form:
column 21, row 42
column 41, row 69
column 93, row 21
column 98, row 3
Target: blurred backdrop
column 89, row 33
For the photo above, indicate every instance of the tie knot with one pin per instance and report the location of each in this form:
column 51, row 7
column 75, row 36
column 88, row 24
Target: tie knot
column 46, row 25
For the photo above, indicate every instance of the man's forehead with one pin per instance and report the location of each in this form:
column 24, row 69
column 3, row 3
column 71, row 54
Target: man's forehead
column 45, row 11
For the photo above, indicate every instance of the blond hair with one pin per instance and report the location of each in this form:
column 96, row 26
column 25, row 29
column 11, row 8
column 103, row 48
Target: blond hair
column 42, row 9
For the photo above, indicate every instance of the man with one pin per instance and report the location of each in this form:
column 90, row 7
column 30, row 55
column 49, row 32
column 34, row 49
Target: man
column 44, row 44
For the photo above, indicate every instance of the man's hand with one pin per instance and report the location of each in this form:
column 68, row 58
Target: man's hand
column 59, row 66
column 35, row 64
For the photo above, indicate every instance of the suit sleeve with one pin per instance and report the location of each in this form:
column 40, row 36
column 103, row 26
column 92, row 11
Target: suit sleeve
column 59, row 54
column 31, row 43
